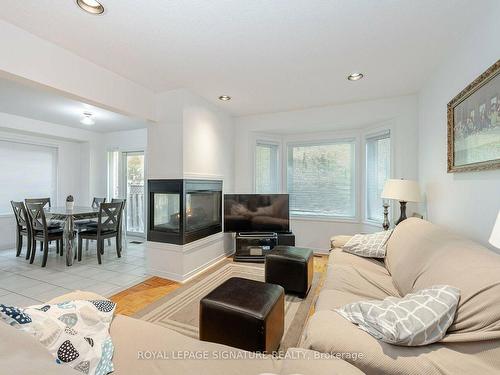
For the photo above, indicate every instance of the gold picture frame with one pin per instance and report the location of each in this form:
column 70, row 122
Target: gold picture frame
column 474, row 124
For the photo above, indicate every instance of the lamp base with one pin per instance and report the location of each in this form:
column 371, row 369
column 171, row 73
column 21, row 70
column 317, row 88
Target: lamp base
column 402, row 216
column 386, row 223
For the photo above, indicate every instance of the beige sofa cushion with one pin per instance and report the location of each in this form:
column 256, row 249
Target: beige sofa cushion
column 22, row 354
column 363, row 277
column 421, row 254
column 328, row 332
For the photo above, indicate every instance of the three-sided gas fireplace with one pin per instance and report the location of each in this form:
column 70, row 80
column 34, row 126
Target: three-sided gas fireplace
column 183, row 211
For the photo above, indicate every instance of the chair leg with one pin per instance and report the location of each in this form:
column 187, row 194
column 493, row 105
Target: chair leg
column 19, row 243
column 80, row 243
column 109, row 241
column 45, row 252
column 118, row 247
column 29, row 244
column 33, row 251
column 87, row 245
column 99, row 244
column 57, row 246
column 102, row 247
column 61, row 247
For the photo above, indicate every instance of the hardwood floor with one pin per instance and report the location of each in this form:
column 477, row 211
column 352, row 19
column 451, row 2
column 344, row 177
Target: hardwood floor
column 141, row 295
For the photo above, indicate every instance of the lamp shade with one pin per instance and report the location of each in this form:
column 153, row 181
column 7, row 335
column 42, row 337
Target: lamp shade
column 495, row 233
column 402, row 190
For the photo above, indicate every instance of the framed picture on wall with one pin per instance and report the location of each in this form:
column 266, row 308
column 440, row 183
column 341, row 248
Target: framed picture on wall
column 474, row 124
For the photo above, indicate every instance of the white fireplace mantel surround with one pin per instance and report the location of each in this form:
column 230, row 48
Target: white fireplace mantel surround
column 192, row 140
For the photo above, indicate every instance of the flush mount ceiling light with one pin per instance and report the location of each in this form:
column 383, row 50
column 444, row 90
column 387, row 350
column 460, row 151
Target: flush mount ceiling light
column 90, row 6
column 87, row 119
column 355, row 76
column 224, row 98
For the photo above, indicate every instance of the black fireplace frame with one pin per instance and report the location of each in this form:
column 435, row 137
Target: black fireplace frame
column 181, row 187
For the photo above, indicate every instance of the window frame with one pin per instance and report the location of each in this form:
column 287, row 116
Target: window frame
column 268, row 140
column 319, row 140
column 369, row 134
column 40, row 143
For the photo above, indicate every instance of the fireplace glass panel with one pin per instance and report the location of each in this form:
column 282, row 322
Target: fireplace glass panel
column 203, row 209
column 166, row 212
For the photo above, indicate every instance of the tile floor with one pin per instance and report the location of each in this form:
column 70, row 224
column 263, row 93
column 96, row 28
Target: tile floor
column 24, row 284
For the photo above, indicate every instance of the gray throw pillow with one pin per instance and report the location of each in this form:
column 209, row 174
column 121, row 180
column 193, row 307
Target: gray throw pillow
column 368, row 245
column 417, row 319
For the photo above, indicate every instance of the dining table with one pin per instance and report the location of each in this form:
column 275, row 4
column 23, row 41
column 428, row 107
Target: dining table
column 68, row 217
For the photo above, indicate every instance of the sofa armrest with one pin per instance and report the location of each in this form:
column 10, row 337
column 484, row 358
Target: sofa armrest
column 338, row 241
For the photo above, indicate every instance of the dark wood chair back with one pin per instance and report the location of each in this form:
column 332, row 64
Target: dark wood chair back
column 109, row 217
column 44, row 201
column 37, row 216
column 21, row 215
column 96, row 202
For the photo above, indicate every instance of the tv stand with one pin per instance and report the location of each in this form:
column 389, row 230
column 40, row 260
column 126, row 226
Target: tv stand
column 253, row 246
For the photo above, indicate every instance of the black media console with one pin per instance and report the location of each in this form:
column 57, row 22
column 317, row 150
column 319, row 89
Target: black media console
column 253, row 246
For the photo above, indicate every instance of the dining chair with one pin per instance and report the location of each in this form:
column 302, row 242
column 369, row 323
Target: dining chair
column 124, row 208
column 23, row 228
column 46, row 203
column 84, row 224
column 108, row 226
column 42, row 232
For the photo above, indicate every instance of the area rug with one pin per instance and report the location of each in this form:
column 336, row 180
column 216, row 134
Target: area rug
column 179, row 310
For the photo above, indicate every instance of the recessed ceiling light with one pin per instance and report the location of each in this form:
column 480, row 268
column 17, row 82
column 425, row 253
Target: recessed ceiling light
column 354, row 76
column 224, row 98
column 87, row 119
column 91, row 6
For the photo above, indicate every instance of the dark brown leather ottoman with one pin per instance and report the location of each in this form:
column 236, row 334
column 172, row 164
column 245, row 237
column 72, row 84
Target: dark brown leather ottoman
column 291, row 267
column 245, row 314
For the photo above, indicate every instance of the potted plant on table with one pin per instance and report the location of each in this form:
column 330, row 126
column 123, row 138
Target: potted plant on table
column 70, row 203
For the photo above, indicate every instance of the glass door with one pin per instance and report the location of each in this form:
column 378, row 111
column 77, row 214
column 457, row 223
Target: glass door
column 126, row 180
column 134, row 175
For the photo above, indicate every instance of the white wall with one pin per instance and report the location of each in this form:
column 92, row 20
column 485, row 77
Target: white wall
column 208, row 142
column 35, row 59
column 400, row 114
column 465, row 202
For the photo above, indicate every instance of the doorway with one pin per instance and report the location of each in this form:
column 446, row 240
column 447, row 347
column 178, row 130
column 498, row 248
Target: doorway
column 126, row 180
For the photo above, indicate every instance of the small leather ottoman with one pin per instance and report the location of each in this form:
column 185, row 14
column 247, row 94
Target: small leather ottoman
column 291, row 267
column 244, row 314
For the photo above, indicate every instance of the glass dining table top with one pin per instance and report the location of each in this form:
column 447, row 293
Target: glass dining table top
column 77, row 211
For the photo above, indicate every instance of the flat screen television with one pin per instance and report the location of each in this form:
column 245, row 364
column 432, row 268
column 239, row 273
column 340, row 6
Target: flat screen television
column 256, row 213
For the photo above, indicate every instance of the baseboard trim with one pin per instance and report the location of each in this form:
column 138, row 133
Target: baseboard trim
column 183, row 278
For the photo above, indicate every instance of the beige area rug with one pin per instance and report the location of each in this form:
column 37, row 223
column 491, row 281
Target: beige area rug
column 179, row 310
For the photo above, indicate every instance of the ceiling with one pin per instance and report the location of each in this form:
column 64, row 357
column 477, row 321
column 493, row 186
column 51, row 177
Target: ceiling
column 42, row 104
column 268, row 55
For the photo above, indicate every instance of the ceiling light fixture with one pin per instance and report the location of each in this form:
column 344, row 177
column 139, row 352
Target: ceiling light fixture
column 224, row 98
column 91, row 6
column 87, row 119
column 355, row 76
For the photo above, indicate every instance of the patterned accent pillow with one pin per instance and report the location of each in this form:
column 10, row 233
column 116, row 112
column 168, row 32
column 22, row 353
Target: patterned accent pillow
column 416, row 319
column 368, row 245
column 76, row 333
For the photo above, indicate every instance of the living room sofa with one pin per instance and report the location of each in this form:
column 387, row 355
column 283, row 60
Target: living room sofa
column 145, row 348
column 419, row 255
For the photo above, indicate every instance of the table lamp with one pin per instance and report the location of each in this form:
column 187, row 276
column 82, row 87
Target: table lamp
column 403, row 191
column 495, row 233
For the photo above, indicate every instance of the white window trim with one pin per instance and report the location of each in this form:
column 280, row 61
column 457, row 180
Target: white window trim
column 271, row 140
column 327, row 138
column 367, row 134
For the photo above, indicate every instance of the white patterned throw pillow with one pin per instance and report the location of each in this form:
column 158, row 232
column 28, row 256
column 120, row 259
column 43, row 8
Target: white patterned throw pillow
column 76, row 333
column 417, row 319
column 368, row 245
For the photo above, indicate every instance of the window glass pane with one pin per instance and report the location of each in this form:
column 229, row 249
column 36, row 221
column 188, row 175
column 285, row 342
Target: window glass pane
column 266, row 168
column 321, row 179
column 28, row 171
column 378, row 170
